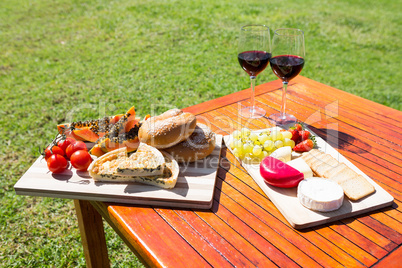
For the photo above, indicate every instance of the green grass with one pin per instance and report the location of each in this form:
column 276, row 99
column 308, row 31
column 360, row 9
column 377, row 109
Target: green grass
column 67, row 60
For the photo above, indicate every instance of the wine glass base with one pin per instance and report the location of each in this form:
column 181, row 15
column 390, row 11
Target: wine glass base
column 283, row 119
column 252, row 112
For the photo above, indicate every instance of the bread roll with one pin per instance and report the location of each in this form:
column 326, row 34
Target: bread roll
column 198, row 146
column 167, row 129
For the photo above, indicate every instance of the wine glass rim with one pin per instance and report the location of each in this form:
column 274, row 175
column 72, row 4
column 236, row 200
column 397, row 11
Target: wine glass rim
column 296, row 30
column 246, row 27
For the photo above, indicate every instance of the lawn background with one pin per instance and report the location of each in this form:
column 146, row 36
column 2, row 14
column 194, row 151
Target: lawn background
column 70, row 60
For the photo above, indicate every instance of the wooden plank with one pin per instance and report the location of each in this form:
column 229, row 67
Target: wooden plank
column 199, row 243
column 318, row 117
column 194, row 188
column 249, row 225
column 92, row 234
column 265, row 210
column 392, row 260
column 158, row 244
column 231, row 98
column 299, row 216
column 354, row 100
column 310, row 114
column 223, row 243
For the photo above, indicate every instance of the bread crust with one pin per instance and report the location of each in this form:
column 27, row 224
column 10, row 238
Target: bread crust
column 199, row 145
column 167, row 129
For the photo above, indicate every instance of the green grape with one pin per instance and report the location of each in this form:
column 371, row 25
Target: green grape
column 278, row 144
column 287, row 134
column 262, row 138
column 268, row 145
column 239, row 144
column 247, row 148
column 245, row 132
column 257, row 150
column 236, row 134
column 289, row 142
column 276, row 136
column 232, row 144
column 263, row 155
column 253, row 137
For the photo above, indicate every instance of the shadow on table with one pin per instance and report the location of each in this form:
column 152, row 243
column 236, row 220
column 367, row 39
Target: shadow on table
column 224, row 166
column 342, row 140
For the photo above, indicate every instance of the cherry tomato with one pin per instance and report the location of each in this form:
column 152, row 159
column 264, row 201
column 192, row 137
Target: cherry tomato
column 57, row 163
column 78, row 145
column 51, row 150
column 63, row 144
column 81, row 160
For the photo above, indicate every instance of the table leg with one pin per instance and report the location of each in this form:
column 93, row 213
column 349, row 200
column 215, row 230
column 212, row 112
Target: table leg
column 92, row 234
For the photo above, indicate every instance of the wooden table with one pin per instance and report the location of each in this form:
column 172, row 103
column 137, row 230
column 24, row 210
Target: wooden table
column 243, row 228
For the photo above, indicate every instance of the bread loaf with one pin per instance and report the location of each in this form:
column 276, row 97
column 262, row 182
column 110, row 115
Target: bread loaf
column 167, row 129
column 200, row 144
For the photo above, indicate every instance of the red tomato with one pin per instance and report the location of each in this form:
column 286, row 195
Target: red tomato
column 57, row 163
column 78, row 145
column 63, row 144
column 81, row 160
column 51, row 150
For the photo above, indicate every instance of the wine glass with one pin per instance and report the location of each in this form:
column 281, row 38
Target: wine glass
column 287, row 62
column 253, row 55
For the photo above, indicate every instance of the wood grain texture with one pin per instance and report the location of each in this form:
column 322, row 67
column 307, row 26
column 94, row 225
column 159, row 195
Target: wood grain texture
column 244, row 227
column 194, row 187
column 92, row 234
column 300, row 217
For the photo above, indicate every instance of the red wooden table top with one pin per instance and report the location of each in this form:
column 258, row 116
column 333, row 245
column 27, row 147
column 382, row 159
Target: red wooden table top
column 244, row 228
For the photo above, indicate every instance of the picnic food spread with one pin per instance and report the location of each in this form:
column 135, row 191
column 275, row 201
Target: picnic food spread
column 320, row 179
column 127, row 149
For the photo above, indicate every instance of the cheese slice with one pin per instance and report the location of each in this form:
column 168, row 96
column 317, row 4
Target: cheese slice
column 320, row 194
column 283, row 153
column 146, row 161
column 301, row 166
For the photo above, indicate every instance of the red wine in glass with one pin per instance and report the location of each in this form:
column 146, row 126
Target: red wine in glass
column 253, row 53
column 254, row 62
column 287, row 62
column 286, row 67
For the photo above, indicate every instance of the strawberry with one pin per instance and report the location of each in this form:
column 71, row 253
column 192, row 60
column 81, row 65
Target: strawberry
column 299, row 127
column 295, row 135
column 304, row 135
column 304, row 146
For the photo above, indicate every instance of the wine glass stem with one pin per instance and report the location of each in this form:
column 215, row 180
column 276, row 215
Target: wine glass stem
column 252, row 79
column 284, row 89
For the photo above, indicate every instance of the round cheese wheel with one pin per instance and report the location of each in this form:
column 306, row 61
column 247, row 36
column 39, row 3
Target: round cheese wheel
column 279, row 174
column 320, row 194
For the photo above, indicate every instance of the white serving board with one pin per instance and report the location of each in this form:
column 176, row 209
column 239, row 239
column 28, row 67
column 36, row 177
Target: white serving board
column 299, row 217
column 194, row 189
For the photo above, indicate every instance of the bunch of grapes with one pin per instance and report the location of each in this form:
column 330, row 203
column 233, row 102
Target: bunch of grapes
column 252, row 147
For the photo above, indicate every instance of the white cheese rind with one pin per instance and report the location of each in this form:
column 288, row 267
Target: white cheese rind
column 320, row 194
column 301, row 166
